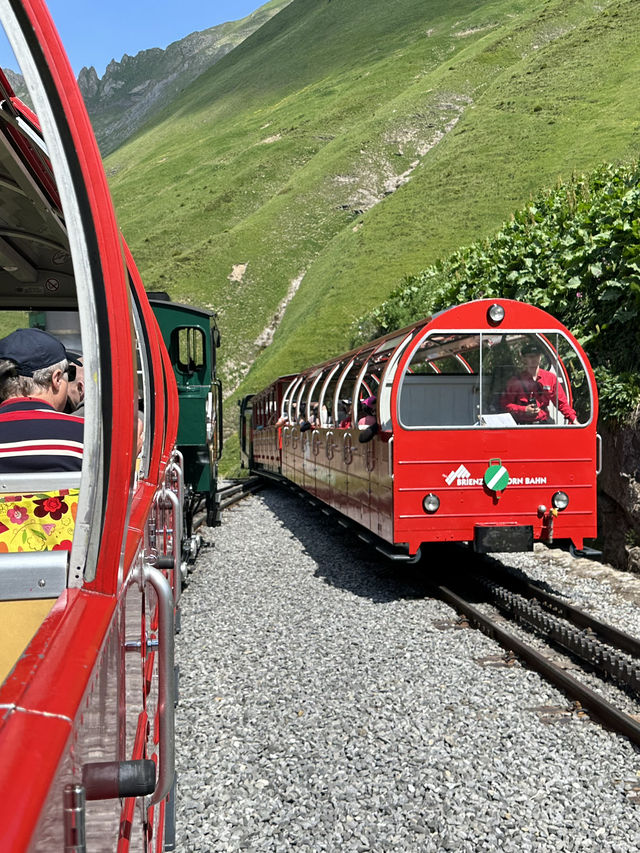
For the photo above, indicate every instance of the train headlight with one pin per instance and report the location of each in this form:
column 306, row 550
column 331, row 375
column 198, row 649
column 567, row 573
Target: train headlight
column 560, row 500
column 431, row 503
column 495, row 314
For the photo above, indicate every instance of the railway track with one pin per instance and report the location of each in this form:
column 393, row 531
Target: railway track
column 596, row 646
column 237, row 490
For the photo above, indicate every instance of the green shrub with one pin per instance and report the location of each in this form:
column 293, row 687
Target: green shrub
column 574, row 251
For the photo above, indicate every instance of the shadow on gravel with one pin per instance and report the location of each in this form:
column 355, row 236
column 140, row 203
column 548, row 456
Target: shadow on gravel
column 342, row 559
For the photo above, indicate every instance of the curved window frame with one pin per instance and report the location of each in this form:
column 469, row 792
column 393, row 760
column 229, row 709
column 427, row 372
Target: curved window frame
column 288, row 398
column 387, row 379
column 92, row 499
column 332, row 370
column 336, row 396
column 313, row 384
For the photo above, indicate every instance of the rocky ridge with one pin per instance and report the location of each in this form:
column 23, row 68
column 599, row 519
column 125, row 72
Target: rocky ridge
column 132, row 90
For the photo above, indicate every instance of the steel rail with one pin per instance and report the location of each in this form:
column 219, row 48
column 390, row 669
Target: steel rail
column 229, row 495
column 589, row 699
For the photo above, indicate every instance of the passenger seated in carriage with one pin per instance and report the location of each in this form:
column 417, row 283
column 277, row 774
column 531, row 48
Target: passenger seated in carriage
column 368, row 408
column 528, row 395
column 35, row 433
column 344, row 416
column 37, row 437
column 368, row 423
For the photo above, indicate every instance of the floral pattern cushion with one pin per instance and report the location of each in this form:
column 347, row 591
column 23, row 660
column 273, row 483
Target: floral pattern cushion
column 38, row 522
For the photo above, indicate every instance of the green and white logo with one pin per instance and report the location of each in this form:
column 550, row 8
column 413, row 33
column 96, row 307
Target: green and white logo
column 496, row 477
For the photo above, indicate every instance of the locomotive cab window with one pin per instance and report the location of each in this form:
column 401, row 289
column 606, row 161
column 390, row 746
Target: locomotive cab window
column 188, row 349
column 493, row 380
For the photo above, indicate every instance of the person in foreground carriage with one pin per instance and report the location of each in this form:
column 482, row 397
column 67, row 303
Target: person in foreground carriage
column 35, row 433
column 528, row 394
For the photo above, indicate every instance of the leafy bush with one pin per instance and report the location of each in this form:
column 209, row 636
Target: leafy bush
column 574, row 251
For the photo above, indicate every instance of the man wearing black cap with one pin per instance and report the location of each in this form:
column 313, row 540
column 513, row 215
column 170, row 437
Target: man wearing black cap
column 35, row 433
column 528, row 394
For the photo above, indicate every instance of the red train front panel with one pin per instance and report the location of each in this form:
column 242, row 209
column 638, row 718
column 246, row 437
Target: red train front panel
column 494, row 424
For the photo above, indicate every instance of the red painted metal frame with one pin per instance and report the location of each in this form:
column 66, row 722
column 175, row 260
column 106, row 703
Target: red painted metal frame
column 381, row 484
column 47, row 699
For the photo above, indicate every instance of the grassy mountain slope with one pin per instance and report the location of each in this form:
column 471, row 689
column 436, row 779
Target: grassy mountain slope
column 348, row 143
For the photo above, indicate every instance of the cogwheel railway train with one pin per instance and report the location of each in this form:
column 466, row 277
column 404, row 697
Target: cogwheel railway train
column 87, row 680
column 475, row 425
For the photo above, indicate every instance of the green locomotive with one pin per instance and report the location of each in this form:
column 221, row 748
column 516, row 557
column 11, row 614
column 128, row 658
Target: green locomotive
column 192, row 338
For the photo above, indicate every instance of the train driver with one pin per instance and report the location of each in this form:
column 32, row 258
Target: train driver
column 528, row 394
column 36, row 435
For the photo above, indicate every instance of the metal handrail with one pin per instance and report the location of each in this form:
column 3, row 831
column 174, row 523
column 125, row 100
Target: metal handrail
column 143, row 574
column 171, row 496
column 329, row 444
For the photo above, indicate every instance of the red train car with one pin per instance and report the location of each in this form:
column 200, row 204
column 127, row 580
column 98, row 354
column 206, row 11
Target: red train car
column 480, row 428
column 87, row 681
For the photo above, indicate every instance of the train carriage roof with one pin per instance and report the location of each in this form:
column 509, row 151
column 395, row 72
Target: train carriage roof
column 36, row 271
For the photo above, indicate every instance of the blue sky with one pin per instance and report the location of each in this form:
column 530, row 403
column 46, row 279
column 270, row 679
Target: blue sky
column 96, row 31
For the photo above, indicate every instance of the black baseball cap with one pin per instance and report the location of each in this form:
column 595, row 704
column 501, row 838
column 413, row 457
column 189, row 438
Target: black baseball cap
column 33, row 349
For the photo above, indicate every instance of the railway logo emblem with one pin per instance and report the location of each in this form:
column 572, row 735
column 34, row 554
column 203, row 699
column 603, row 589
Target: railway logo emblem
column 461, row 473
column 496, row 477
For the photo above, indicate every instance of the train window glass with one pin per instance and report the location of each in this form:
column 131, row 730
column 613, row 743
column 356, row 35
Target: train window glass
column 188, row 345
column 494, row 380
column 533, row 380
column 441, row 386
column 370, row 382
column 143, row 401
column 327, row 393
column 273, row 407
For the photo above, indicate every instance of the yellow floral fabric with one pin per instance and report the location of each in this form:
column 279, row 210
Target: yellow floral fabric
column 38, row 522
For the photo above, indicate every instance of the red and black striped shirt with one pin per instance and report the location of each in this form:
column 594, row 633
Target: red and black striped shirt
column 35, row 437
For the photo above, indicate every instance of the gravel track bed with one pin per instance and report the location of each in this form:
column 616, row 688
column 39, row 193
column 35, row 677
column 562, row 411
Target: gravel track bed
column 323, row 709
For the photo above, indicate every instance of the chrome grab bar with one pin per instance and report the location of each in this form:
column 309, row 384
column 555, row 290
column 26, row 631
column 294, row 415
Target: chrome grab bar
column 347, row 449
column 390, row 458
column 370, row 457
column 143, row 574
column 315, row 443
column 74, row 800
column 598, row 453
column 176, row 539
column 176, row 465
column 329, row 445
column 285, row 434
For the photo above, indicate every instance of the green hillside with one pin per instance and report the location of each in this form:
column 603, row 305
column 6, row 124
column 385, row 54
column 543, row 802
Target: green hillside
column 348, row 143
